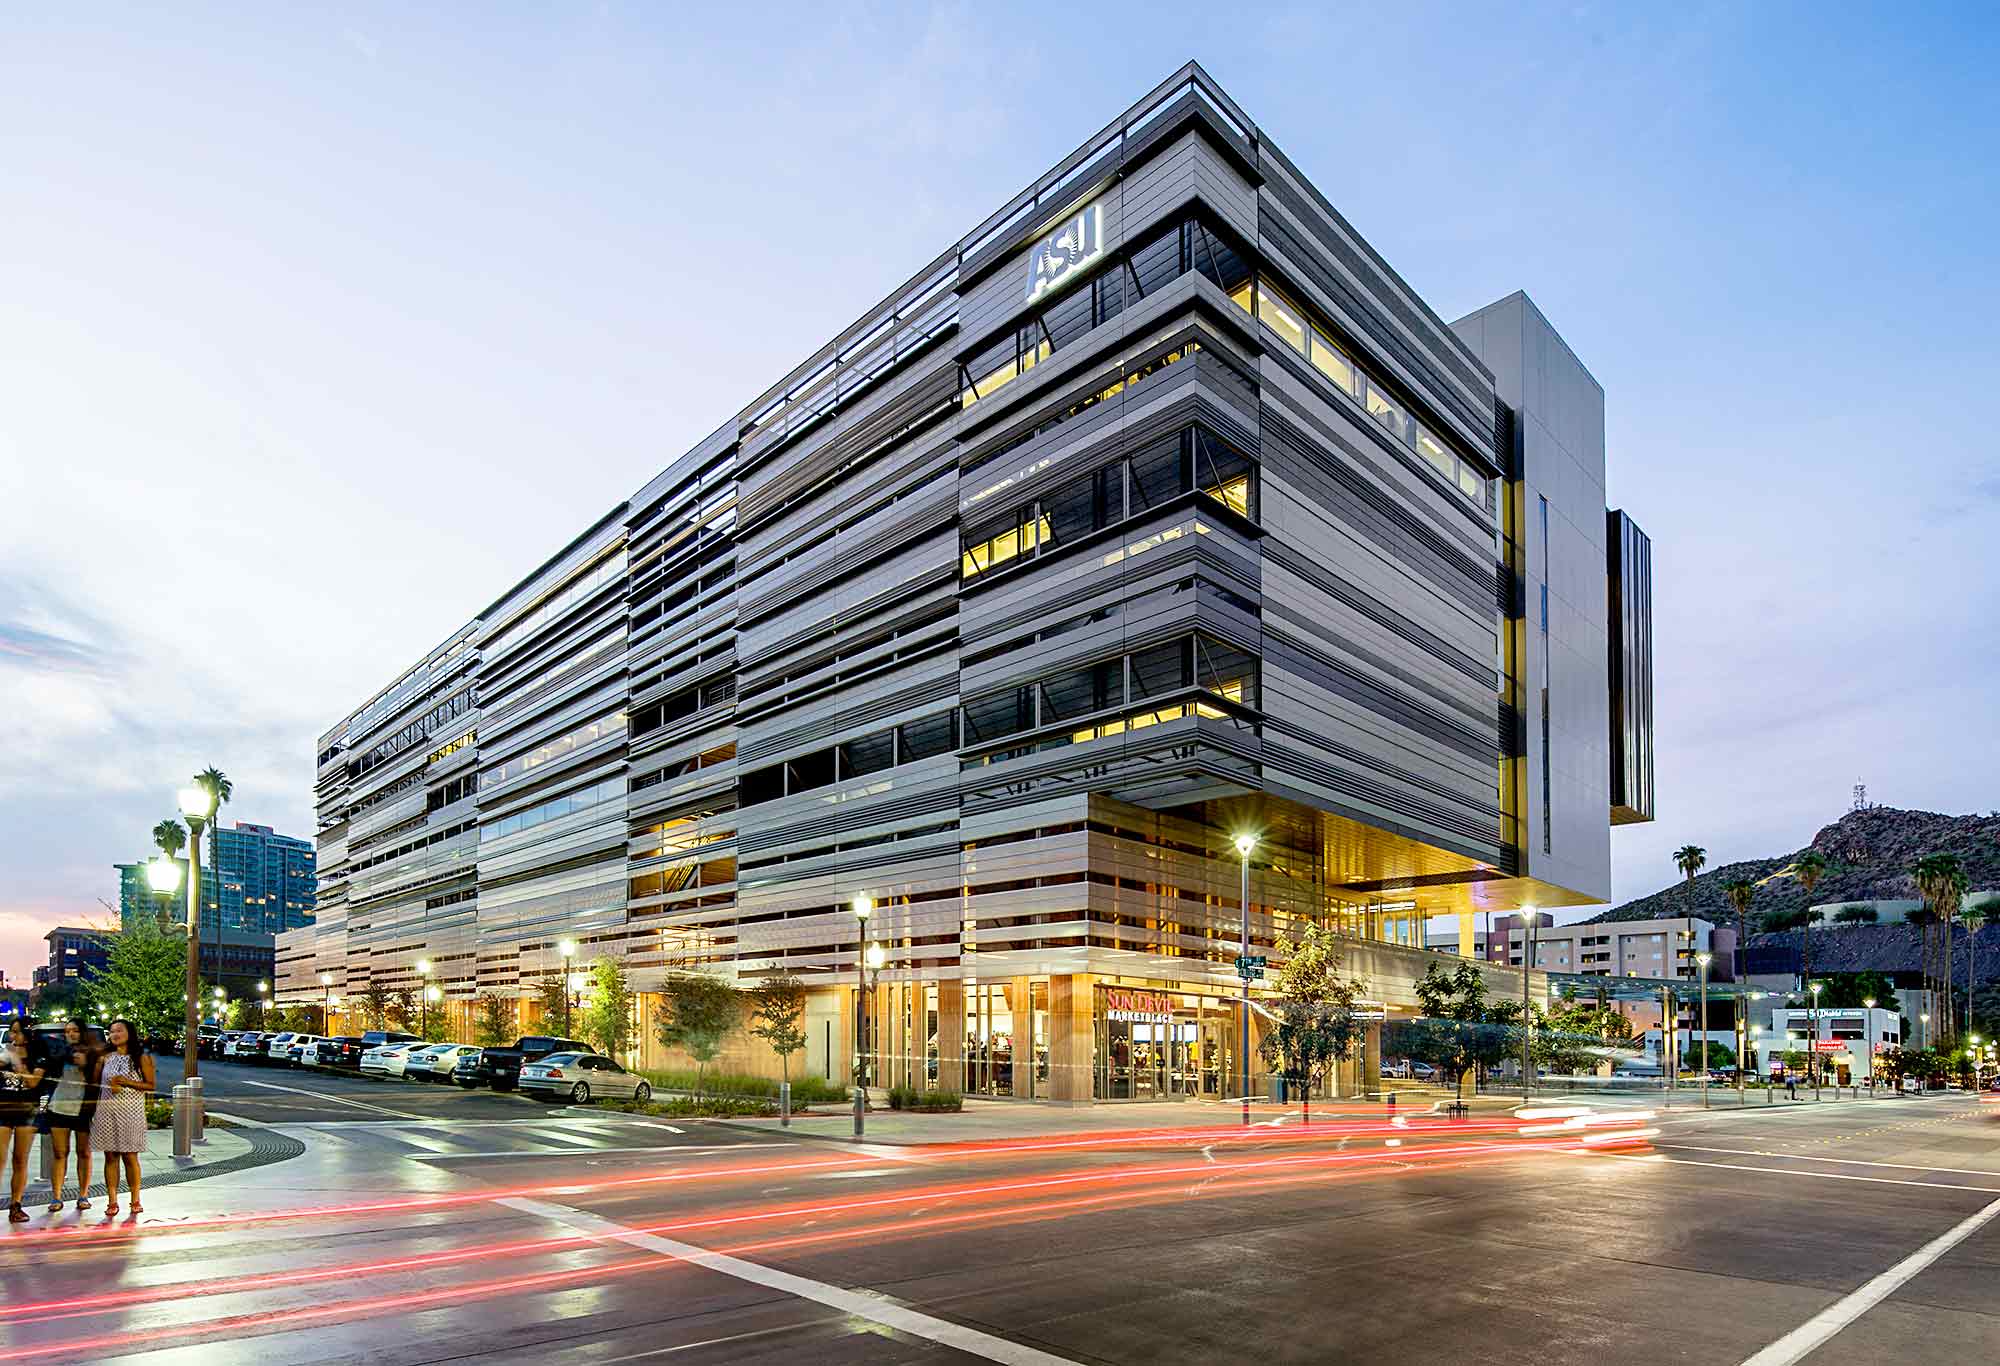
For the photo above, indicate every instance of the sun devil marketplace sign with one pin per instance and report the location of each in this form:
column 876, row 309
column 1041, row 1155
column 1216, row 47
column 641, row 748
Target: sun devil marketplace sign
column 1137, row 1007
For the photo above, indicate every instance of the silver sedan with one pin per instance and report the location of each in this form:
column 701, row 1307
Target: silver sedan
column 582, row 1078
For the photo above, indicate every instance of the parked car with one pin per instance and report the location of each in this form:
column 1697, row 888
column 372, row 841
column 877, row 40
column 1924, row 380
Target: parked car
column 241, row 1045
column 1399, row 1067
column 375, row 1038
column 271, row 1048
column 295, row 1051
column 500, row 1068
column 1423, row 1071
column 342, row 1052
column 386, row 1060
column 582, row 1078
column 438, row 1062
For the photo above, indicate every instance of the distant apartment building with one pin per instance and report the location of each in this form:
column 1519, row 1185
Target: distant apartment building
column 265, row 883
column 1157, row 510
column 74, row 952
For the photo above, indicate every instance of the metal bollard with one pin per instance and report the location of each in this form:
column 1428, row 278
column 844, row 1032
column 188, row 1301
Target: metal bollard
column 785, row 1104
column 183, row 1121
column 198, row 1103
column 48, row 1147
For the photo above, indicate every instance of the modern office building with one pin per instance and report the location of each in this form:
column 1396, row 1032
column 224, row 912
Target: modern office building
column 266, row 882
column 1155, row 511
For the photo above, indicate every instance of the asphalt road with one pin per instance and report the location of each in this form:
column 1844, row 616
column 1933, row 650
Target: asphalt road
column 603, row 1239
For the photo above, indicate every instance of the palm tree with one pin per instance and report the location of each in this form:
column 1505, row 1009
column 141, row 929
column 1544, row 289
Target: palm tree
column 1689, row 858
column 171, row 837
column 1942, row 883
column 219, row 787
column 1975, row 918
column 1857, row 914
column 1740, row 892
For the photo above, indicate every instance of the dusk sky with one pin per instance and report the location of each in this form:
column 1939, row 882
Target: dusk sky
column 321, row 329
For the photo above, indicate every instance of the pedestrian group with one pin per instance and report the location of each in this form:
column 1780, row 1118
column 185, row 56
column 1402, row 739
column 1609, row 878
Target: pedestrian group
column 88, row 1095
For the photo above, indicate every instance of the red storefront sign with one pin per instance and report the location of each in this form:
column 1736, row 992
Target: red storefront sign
column 1124, row 1003
column 1830, row 1045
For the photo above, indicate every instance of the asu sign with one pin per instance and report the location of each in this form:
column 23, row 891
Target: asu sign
column 1073, row 244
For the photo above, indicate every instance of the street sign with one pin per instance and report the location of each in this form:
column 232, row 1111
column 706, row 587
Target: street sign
column 1249, row 967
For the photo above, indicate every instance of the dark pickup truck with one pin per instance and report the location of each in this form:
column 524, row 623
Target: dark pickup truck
column 500, row 1068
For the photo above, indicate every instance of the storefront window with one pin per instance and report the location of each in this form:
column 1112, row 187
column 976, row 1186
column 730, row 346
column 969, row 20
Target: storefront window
column 1154, row 1045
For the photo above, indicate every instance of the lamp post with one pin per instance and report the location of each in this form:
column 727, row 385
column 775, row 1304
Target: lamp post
column 264, row 1003
column 326, row 1001
column 568, row 951
column 1527, row 962
column 1701, row 961
column 1813, row 1059
column 1244, row 844
column 1868, row 1036
column 431, row 993
column 197, row 808
column 163, row 875
column 424, row 999
column 863, row 907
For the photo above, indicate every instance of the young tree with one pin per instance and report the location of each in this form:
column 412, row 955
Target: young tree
column 700, row 1011
column 1316, row 1021
column 493, row 1021
column 375, row 1003
column 1459, row 1030
column 1719, row 1055
column 607, row 1020
column 552, row 992
column 145, row 966
column 778, row 1004
column 405, row 1009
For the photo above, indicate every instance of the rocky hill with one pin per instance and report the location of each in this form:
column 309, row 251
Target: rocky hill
column 1868, row 854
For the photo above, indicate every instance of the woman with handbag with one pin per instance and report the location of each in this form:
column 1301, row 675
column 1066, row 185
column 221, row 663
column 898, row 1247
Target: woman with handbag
column 118, row 1129
column 20, row 1082
column 71, row 1108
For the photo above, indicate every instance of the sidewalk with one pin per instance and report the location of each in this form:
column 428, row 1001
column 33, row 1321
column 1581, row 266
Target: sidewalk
column 226, row 1150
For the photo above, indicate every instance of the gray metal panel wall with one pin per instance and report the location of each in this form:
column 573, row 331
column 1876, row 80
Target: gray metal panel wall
column 1631, row 668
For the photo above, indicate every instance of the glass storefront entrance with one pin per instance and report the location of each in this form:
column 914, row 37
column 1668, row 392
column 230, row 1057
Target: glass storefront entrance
column 1157, row 1045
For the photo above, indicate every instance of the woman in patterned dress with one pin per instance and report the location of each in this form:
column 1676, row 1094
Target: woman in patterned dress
column 118, row 1131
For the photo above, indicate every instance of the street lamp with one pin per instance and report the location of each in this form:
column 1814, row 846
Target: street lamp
column 1868, row 1030
column 568, row 951
column 1702, row 960
column 431, row 993
column 326, row 1001
column 1813, row 1059
column 863, row 906
column 197, row 804
column 1244, row 844
column 1527, row 915
column 424, row 1004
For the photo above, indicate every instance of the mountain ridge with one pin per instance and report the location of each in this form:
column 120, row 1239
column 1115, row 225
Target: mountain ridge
column 1868, row 852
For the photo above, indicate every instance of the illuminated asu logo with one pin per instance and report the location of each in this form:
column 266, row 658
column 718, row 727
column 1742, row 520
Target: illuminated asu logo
column 1073, row 244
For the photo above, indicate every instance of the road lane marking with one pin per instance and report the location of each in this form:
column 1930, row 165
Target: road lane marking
column 333, row 1099
column 1785, row 1171
column 429, row 1145
column 1843, row 1161
column 528, row 1154
column 1815, row 1331
column 875, row 1309
column 555, row 1135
